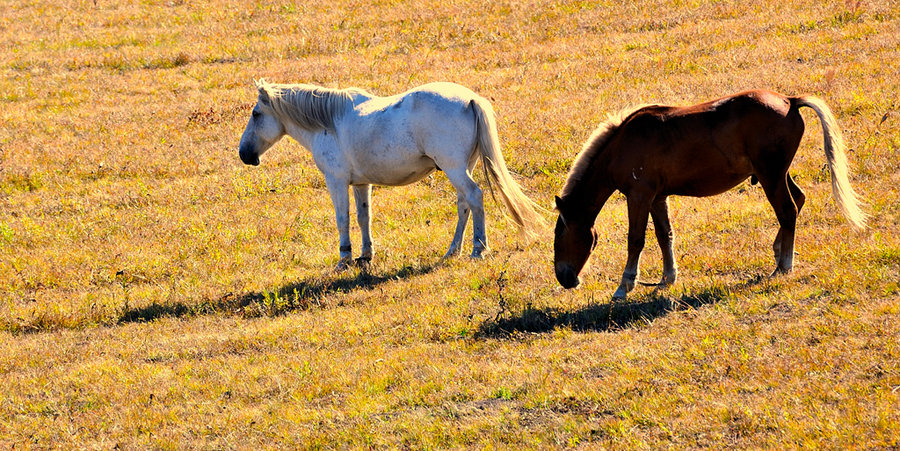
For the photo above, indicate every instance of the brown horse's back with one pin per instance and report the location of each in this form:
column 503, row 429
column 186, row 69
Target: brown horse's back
column 704, row 149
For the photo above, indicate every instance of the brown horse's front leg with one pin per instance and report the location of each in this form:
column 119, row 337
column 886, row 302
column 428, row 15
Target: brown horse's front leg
column 659, row 211
column 638, row 210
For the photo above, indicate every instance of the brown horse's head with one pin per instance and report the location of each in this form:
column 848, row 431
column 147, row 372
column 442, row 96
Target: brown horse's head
column 574, row 239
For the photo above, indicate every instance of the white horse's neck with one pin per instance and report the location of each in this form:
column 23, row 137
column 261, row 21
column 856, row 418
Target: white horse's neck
column 310, row 137
column 304, row 137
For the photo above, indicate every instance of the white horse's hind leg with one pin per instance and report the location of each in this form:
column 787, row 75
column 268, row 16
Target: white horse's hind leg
column 469, row 190
column 340, row 197
column 362, row 194
column 462, row 208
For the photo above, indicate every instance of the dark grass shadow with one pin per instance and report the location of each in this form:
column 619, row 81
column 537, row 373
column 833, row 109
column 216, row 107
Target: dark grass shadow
column 615, row 315
column 288, row 298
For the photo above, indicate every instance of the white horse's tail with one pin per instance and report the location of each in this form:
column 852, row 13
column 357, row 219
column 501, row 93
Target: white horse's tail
column 835, row 152
column 524, row 212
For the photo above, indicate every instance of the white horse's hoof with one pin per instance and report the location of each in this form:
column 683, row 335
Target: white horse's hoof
column 452, row 253
column 363, row 263
column 479, row 255
column 620, row 294
column 343, row 265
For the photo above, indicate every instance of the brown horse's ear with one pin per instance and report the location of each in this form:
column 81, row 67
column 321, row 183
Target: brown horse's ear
column 559, row 203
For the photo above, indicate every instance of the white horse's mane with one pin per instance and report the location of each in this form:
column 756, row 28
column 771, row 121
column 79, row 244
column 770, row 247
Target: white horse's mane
column 309, row 106
column 594, row 145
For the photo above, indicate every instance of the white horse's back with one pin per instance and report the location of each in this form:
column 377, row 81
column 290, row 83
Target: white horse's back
column 399, row 139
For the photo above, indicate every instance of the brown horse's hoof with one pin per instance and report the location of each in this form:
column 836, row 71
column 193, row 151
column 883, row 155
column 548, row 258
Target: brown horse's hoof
column 664, row 283
column 628, row 282
column 668, row 280
column 620, row 295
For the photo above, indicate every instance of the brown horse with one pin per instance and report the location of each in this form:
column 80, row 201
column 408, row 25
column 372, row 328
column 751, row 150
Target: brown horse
column 653, row 152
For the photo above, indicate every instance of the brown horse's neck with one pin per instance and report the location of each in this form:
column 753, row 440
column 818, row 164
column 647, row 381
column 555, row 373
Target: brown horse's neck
column 595, row 204
column 589, row 184
column 589, row 195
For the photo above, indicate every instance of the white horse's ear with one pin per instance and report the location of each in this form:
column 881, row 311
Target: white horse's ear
column 263, row 94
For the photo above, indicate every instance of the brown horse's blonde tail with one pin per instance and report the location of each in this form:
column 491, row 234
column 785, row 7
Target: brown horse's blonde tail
column 835, row 152
column 524, row 212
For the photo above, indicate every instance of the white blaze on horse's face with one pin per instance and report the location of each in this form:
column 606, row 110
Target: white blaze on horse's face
column 263, row 130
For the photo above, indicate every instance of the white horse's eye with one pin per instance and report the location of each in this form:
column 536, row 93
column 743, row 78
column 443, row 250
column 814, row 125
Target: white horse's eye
column 254, row 114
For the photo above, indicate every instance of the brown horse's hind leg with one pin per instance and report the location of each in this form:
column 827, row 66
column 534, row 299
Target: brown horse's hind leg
column 796, row 194
column 638, row 212
column 799, row 199
column 659, row 211
column 779, row 194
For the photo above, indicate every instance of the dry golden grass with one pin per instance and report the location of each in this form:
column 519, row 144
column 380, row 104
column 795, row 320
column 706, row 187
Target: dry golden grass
column 155, row 293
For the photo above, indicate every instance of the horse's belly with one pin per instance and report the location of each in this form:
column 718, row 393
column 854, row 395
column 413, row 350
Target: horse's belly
column 708, row 186
column 397, row 174
column 703, row 172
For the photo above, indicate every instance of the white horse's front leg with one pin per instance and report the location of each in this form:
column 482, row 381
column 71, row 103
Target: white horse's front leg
column 340, row 197
column 362, row 194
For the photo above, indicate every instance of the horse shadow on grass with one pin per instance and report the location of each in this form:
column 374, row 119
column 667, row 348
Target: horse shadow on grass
column 296, row 296
column 615, row 315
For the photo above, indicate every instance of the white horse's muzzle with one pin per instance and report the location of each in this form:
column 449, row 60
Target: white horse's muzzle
column 249, row 157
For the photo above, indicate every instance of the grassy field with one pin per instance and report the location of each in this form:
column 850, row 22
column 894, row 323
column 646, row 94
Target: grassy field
column 156, row 293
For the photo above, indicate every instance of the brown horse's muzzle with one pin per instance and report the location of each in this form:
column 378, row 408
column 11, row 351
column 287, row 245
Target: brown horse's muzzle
column 566, row 276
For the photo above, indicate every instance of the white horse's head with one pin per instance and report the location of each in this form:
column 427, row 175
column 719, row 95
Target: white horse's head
column 263, row 130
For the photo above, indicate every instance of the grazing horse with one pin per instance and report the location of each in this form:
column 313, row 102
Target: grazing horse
column 358, row 139
column 653, row 152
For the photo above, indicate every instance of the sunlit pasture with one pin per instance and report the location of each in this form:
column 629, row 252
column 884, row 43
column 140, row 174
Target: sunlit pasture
column 157, row 293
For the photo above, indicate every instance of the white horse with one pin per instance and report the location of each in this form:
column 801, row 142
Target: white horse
column 358, row 139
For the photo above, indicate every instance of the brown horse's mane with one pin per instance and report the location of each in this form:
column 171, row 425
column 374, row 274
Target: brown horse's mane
column 594, row 145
